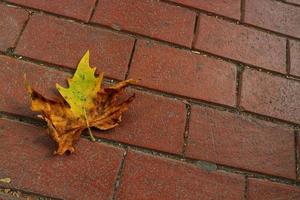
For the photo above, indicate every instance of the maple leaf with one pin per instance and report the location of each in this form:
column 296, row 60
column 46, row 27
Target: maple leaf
column 85, row 104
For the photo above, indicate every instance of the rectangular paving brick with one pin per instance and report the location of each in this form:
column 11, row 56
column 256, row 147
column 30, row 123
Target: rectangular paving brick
column 64, row 42
column 13, row 95
column 26, row 158
column 150, row 177
column 152, row 121
column 151, row 18
column 241, row 43
column 184, row 73
column 267, row 190
column 79, row 9
column 271, row 95
column 228, row 8
column 295, row 57
column 273, row 15
column 234, row 140
column 12, row 21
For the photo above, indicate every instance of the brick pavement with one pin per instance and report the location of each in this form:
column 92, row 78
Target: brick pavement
column 217, row 112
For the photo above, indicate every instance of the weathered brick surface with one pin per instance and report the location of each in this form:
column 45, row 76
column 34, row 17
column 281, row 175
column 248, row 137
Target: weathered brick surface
column 64, row 42
column 13, row 95
column 241, row 43
column 271, row 95
column 11, row 23
column 26, row 157
column 295, row 57
column 152, row 121
column 79, row 9
column 242, row 142
column 273, row 15
column 267, row 190
column 183, row 72
column 228, row 8
column 152, row 18
column 149, row 177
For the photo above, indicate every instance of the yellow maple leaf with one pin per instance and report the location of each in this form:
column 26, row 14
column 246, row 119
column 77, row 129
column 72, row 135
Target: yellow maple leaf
column 85, row 105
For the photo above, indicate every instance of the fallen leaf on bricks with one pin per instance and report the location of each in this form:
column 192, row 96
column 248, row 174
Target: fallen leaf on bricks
column 84, row 104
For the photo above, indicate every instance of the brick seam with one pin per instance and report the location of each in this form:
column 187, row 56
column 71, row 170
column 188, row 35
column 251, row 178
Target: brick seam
column 119, row 175
column 12, row 49
column 28, row 194
column 289, row 3
column 243, row 10
column 93, row 10
column 246, row 188
column 239, row 78
column 297, row 149
column 196, row 29
column 186, row 128
column 288, row 57
column 131, row 59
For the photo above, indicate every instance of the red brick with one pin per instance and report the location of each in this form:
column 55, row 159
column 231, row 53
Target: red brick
column 11, row 23
column 228, row 8
column 13, row 96
column 185, row 73
column 241, row 43
column 265, row 190
column 234, row 140
column 149, row 177
column 152, row 18
column 26, row 158
column 295, row 57
column 152, row 121
column 79, row 9
column 271, row 95
column 64, row 42
column 273, row 15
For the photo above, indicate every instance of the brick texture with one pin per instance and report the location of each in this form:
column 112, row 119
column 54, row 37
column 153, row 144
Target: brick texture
column 152, row 121
column 271, row 95
column 151, row 18
column 234, row 140
column 241, row 43
column 228, row 8
column 11, row 23
column 26, row 157
column 79, row 9
column 273, row 15
column 295, row 57
column 13, row 96
column 266, row 190
column 183, row 72
column 63, row 42
column 148, row 177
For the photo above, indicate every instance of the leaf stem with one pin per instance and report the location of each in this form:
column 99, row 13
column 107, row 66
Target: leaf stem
column 88, row 126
